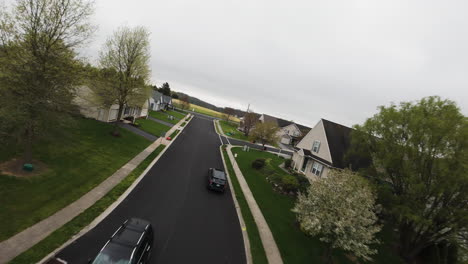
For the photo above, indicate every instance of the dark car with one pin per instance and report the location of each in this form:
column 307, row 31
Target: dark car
column 130, row 244
column 217, row 180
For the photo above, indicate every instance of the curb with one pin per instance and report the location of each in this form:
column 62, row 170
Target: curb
column 117, row 202
column 248, row 252
column 266, row 236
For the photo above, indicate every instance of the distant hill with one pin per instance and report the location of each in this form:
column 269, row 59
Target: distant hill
column 196, row 101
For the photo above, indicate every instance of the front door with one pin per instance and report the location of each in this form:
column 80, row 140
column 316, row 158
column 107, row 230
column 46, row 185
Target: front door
column 304, row 164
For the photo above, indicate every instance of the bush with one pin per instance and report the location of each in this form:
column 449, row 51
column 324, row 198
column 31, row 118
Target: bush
column 303, row 182
column 258, row 164
column 290, row 183
column 287, row 163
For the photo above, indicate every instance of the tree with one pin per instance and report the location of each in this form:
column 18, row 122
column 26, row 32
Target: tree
column 38, row 65
column 249, row 121
column 184, row 102
column 174, row 95
column 127, row 53
column 165, row 89
column 420, row 151
column 265, row 133
column 228, row 112
column 340, row 210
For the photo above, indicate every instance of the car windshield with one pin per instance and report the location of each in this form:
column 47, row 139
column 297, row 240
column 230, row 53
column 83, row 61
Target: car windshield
column 114, row 254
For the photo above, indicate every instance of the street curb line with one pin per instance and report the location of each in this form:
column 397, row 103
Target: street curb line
column 245, row 236
column 117, row 202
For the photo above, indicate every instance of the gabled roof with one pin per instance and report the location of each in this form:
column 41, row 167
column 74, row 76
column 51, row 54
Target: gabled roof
column 166, row 99
column 283, row 123
column 339, row 140
column 156, row 95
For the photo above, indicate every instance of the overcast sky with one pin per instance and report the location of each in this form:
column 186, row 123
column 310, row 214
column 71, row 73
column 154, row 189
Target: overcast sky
column 302, row 60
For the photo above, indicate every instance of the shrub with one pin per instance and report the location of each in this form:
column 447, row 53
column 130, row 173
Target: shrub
column 290, row 183
column 287, row 163
column 303, row 182
column 258, row 164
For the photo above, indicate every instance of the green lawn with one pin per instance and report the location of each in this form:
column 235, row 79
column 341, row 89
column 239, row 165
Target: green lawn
column 174, row 134
column 295, row 246
column 177, row 114
column 231, row 127
column 77, row 162
column 163, row 116
column 152, row 127
column 63, row 234
column 256, row 247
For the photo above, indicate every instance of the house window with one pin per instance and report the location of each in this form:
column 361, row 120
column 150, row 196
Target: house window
column 316, row 146
column 126, row 111
column 152, row 106
column 317, row 169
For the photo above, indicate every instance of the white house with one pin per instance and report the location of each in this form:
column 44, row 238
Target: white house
column 289, row 132
column 84, row 99
column 158, row 101
column 321, row 149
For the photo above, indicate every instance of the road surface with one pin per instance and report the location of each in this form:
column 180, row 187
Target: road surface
column 191, row 224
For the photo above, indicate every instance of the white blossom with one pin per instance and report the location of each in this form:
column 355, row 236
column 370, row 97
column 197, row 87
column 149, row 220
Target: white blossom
column 340, row 210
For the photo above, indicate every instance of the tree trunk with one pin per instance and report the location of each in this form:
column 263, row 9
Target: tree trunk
column 116, row 124
column 327, row 257
column 27, row 157
column 408, row 250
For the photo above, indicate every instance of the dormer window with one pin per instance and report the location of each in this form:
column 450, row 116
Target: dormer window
column 316, row 146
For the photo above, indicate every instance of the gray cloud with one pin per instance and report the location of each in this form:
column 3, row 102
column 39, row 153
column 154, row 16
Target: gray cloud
column 302, row 60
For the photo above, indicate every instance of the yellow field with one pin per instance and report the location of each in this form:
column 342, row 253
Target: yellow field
column 203, row 110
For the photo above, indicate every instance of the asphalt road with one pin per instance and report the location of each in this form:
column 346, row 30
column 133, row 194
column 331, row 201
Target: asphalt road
column 191, row 224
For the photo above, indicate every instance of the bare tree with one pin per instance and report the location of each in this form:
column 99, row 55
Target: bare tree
column 250, row 119
column 127, row 53
column 38, row 65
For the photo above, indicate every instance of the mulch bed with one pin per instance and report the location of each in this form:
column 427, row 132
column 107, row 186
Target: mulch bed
column 14, row 167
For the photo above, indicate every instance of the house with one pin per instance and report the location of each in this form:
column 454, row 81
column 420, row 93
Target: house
column 166, row 102
column 156, row 101
column 322, row 149
column 289, row 133
column 89, row 108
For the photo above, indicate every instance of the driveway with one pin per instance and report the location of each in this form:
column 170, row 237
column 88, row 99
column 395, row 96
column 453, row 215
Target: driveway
column 192, row 224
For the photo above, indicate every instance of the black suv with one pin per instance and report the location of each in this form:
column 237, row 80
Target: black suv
column 131, row 244
column 217, row 180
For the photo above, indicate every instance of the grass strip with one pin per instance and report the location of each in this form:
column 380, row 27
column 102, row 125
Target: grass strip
column 183, row 124
column 174, row 134
column 64, row 233
column 256, row 246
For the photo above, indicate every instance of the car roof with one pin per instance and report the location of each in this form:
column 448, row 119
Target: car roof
column 130, row 232
column 217, row 173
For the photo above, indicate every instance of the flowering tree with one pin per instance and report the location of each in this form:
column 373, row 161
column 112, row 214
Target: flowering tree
column 340, row 210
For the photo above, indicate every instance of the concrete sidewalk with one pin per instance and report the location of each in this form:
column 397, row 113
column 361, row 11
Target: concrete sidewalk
column 24, row 240
column 271, row 249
